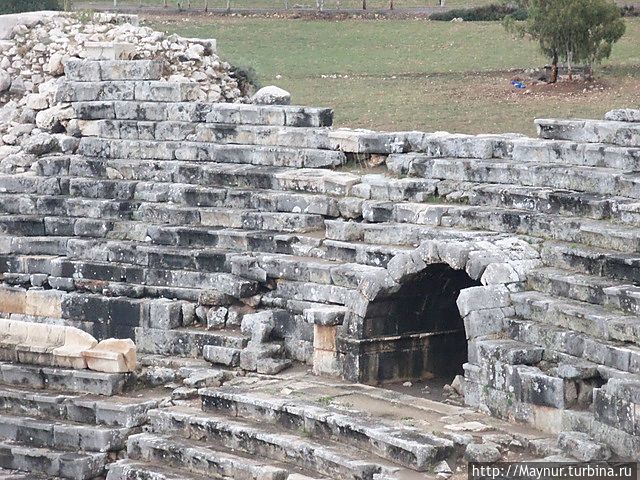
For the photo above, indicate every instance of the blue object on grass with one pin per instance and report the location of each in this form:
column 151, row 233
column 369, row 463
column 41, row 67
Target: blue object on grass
column 518, row 84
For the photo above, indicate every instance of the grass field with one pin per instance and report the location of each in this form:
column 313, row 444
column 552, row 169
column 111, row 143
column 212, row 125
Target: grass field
column 411, row 74
column 346, row 4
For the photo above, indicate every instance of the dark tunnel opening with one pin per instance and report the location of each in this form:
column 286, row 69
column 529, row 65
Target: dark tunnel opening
column 417, row 333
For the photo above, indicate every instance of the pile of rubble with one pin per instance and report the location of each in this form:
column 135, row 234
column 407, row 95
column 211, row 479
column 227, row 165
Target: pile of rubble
column 32, row 60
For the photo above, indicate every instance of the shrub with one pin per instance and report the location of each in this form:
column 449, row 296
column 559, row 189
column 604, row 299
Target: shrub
column 247, row 78
column 17, row 6
column 487, row 13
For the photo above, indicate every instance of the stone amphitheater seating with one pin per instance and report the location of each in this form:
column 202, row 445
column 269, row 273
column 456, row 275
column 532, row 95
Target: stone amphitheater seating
column 254, row 236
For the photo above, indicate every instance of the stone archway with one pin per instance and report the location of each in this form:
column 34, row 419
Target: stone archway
column 424, row 315
column 417, row 331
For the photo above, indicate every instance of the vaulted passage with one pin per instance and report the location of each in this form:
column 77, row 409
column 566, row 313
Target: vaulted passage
column 417, row 332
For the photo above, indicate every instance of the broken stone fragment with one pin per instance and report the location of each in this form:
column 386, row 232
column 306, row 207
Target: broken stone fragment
column 112, row 356
column 476, row 452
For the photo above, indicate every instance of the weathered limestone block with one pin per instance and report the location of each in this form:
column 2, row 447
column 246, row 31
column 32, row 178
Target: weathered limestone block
column 44, row 303
column 368, row 141
column 69, row 355
column 325, row 316
column 131, row 70
column 108, row 50
column 623, row 115
column 582, row 447
column 112, row 356
column 158, row 91
column 591, row 131
column 259, row 326
column 82, row 70
column 221, row 355
column 95, row 91
column 482, row 298
column 12, row 299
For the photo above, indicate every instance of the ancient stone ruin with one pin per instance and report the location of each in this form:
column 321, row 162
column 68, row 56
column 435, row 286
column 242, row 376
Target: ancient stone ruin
column 194, row 289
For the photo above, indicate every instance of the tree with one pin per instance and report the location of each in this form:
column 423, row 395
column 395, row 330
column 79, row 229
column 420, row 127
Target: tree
column 575, row 31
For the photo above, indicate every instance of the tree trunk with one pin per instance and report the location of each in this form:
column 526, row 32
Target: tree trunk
column 364, row 4
column 228, row 5
column 390, row 4
column 554, row 69
column 115, row 3
column 569, row 64
column 165, row 4
column 286, row 4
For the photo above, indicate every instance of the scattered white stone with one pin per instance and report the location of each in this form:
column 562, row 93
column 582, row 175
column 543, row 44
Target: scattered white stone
column 271, row 95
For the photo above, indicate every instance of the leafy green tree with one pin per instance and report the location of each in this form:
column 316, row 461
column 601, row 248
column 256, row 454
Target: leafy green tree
column 574, row 31
column 17, row 6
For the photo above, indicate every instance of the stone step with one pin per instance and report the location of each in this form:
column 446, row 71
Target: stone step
column 363, row 253
column 216, row 133
column 135, row 275
column 139, row 90
column 596, row 233
column 402, row 234
column 186, row 341
column 201, row 458
column 44, row 432
column 592, row 261
column 590, row 131
column 553, row 201
column 206, row 173
column 514, row 367
column 585, row 357
column 595, row 321
column 324, row 458
column 600, row 233
column 283, row 153
column 623, row 115
column 154, row 213
column 595, row 180
column 225, row 113
column 77, row 70
column 576, row 153
column 54, row 464
column 617, row 356
column 125, row 254
column 115, row 411
column 15, row 475
column 60, row 236
column 132, row 470
column 586, row 288
column 407, row 446
column 72, row 195
column 66, row 380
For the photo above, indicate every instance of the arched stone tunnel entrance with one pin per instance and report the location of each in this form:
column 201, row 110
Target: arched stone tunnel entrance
column 415, row 333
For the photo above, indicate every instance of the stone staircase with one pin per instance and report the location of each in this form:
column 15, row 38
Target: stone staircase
column 62, row 423
column 253, row 236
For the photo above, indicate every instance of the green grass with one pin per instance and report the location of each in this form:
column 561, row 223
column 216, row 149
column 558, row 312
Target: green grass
column 345, row 4
column 413, row 74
